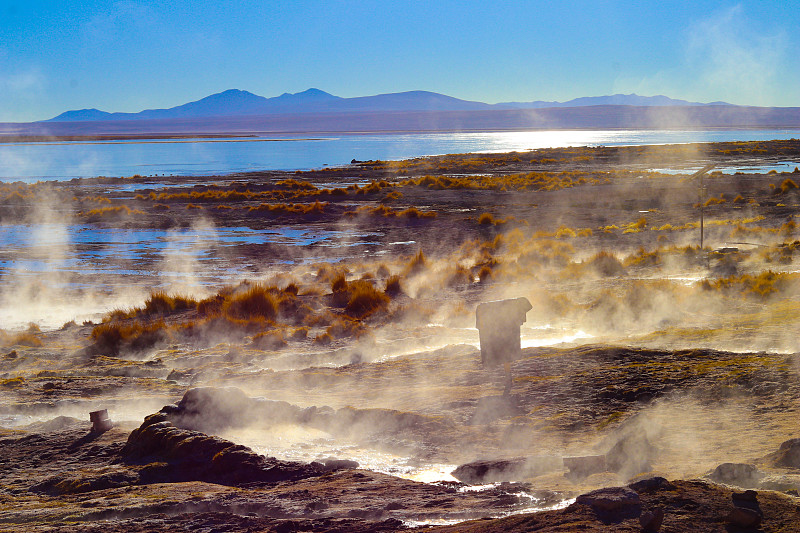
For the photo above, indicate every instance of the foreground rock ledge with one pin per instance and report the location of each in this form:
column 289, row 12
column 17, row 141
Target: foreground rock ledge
column 170, row 453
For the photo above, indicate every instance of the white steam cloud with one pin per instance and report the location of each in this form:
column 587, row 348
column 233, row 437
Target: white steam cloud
column 725, row 58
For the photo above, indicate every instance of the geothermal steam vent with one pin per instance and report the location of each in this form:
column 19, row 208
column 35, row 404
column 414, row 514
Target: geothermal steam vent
column 498, row 325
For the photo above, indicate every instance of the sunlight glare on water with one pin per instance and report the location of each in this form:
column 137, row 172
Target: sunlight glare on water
column 297, row 443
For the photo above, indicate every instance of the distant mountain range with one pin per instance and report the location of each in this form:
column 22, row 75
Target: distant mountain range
column 236, row 112
column 234, row 102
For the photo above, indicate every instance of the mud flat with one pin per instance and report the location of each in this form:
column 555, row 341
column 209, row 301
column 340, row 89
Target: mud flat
column 339, row 387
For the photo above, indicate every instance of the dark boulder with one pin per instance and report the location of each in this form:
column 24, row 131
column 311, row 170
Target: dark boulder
column 612, row 504
column 651, row 484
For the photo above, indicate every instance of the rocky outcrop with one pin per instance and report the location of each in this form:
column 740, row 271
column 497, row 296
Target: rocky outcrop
column 739, row 474
column 612, row 504
column 169, row 451
column 517, row 469
column 787, row 455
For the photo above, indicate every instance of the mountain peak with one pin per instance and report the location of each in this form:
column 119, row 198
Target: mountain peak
column 309, row 95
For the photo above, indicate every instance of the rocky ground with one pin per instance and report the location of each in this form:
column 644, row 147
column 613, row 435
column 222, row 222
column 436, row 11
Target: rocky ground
column 679, row 413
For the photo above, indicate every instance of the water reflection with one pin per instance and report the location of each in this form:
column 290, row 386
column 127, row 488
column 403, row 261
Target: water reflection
column 204, row 157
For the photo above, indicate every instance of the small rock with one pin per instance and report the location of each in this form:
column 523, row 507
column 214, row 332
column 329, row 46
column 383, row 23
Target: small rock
column 743, row 517
column 651, row 484
column 652, row 519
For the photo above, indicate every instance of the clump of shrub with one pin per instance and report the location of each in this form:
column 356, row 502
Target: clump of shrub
column 392, row 196
column 161, row 303
column 460, row 277
column 635, row 227
column 417, row 263
column 256, row 302
column 268, row 340
column 393, row 287
column 359, row 298
column 117, row 211
column 487, row 219
column 111, row 337
column 787, row 185
column 26, row 338
column 606, row 264
column 365, row 299
column 760, row 285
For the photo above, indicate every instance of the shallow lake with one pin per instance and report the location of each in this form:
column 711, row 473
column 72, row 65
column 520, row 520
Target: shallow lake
column 66, row 160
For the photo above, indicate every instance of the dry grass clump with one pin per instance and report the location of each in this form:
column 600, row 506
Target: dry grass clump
column 268, row 340
column 364, row 299
column 359, row 298
column 393, row 287
column 344, row 327
column 117, row 211
column 715, row 201
column 760, row 285
column 606, row 264
column 644, row 258
column 314, row 208
column 783, row 253
column 112, row 337
column 326, row 272
column 417, row 263
column 299, row 334
column 256, row 302
column 459, row 277
column 635, row 227
column 12, row 383
column 296, row 184
column 787, row 185
column 530, row 181
column 388, row 212
column 392, row 196
column 26, row 338
column 162, row 303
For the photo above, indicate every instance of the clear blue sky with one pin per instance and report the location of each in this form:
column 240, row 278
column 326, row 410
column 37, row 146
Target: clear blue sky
column 128, row 56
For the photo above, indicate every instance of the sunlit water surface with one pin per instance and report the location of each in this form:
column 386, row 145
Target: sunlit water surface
column 65, row 160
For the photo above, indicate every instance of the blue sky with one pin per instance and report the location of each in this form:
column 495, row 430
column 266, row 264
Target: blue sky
column 129, row 56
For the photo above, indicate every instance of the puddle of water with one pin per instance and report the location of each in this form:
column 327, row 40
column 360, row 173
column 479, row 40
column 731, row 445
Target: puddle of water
column 532, row 337
column 296, row 443
column 781, row 166
column 533, row 508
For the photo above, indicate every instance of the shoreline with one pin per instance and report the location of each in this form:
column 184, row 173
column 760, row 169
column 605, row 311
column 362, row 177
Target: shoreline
column 12, row 138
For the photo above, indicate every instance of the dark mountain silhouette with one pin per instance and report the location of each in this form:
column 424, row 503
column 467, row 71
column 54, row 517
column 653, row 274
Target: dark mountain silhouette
column 234, row 102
